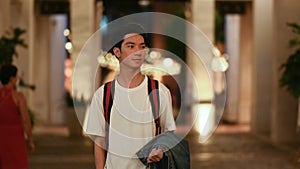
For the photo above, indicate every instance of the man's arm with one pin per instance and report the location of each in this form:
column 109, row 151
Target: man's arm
column 99, row 152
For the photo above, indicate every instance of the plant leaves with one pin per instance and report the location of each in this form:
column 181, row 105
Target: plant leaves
column 294, row 42
column 290, row 78
column 295, row 27
column 8, row 45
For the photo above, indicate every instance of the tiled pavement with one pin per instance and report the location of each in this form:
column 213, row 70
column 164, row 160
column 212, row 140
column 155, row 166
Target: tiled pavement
column 240, row 151
column 61, row 152
column 224, row 150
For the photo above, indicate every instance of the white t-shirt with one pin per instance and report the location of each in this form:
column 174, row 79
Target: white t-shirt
column 131, row 122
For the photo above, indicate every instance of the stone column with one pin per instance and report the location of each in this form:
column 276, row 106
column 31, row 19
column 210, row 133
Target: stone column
column 202, row 16
column 274, row 110
column 246, row 65
column 82, row 28
column 4, row 16
column 21, row 14
column 41, row 66
column 284, row 108
column 232, row 28
column 85, row 21
column 56, row 68
column 262, row 65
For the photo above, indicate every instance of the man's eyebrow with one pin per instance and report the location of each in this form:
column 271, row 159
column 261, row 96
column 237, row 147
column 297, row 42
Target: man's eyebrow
column 129, row 43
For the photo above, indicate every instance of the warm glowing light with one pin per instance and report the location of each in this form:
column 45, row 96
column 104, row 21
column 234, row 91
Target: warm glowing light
column 216, row 52
column 66, row 32
column 68, row 74
column 154, row 55
column 144, row 2
column 219, row 64
column 168, row 62
column 68, row 46
column 205, row 120
column 155, row 65
column 102, row 61
column 108, row 60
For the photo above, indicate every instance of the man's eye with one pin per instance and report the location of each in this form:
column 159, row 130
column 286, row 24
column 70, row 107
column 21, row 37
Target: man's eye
column 143, row 46
column 130, row 46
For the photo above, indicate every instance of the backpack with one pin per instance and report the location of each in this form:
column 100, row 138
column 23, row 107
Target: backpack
column 153, row 93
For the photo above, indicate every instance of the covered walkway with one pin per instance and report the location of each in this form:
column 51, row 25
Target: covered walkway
column 229, row 148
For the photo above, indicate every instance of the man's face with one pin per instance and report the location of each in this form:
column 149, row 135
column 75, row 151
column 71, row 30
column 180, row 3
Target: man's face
column 133, row 51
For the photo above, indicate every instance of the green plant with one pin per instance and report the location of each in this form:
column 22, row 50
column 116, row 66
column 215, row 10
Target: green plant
column 290, row 78
column 8, row 44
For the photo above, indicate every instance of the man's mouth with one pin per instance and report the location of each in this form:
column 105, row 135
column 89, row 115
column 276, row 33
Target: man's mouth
column 137, row 60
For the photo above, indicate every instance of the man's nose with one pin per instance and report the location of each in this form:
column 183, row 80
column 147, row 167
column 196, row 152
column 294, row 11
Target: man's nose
column 140, row 51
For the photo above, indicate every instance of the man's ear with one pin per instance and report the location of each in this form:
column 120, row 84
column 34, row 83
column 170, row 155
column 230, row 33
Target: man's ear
column 117, row 52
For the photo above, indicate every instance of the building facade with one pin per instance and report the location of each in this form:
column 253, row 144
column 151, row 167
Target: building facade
column 257, row 44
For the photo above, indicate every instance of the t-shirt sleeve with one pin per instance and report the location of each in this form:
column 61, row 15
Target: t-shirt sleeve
column 166, row 111
column 95, row 125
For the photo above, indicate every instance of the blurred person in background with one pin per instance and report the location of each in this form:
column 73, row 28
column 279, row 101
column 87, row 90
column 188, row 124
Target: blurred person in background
column 14, row 122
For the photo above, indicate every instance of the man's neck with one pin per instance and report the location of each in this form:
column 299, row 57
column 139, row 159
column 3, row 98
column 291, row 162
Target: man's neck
column 130, row 79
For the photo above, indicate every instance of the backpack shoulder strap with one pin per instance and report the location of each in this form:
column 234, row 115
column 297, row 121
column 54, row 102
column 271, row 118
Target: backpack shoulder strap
column 109, row 91
column 153, row 93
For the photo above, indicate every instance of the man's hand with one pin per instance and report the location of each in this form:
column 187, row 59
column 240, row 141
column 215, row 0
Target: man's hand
column 155, row 155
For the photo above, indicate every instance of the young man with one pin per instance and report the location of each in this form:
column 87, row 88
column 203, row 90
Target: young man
column 131, row 120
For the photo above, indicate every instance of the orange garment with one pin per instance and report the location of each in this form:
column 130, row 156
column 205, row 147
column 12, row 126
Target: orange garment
column 13, row 151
